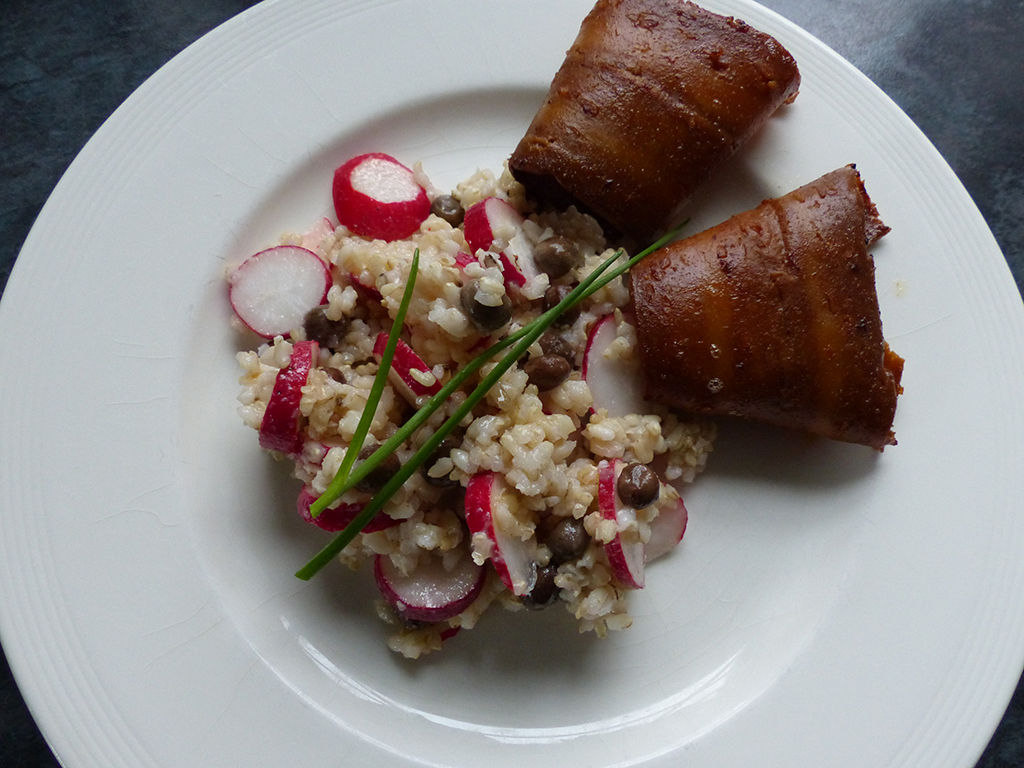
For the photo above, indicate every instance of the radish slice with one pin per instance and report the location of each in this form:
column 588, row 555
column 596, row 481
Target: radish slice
column 431, row 593
column 520, row 253
column 615, row 384
column 337, row 518
column 409, row 375
column 487, row 514
column 280, row 428
column 271, row 291
column 377, row 197
column 510, row 269
column 449, row 632
column 668, row 527
column 494, row 225
column 316, row 234
column 625, row 551
column 367, row 291
column 463, row 260
column 491, row 220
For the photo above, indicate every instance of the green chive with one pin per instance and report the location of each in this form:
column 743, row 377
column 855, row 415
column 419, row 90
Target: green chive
column 376, row 389
column 338, row 487
column 523, row 339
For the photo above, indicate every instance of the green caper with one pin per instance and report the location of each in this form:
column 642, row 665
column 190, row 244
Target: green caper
column 567, row 540
column 557, row 256
column 326, row 332
column 556, row 344
column 448, row 208
column 544, row 591
column 547, row 371
column 486, row 318
column 638, row 485
column 552, row 296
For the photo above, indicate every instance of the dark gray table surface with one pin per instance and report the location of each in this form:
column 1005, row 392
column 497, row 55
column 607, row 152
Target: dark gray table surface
column 955, row 66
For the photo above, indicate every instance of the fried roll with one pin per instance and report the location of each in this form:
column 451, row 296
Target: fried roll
column 651, row 97
column 773, row 315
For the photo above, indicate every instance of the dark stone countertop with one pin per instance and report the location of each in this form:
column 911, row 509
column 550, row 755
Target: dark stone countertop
column 955, row 66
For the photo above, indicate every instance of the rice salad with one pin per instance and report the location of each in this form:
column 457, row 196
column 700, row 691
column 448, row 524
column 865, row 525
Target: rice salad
column 529, row 460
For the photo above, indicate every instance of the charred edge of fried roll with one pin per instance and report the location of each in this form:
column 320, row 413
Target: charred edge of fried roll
column 773, row 315
column 651, row 97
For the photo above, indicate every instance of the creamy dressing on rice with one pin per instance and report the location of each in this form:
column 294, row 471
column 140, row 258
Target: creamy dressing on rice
column 546, row 445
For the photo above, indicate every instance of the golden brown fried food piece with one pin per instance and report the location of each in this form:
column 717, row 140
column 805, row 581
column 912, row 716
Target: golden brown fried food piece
column 651, row 97
column 773, row 315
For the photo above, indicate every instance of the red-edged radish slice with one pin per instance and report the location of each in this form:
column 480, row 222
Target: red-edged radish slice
column 510, row 269
column 271, row 291
column 463, row 260
column 492, row 219
column 488, row 514
column 337, row 518
column 366, row 290
column 625, row 551
column 409, row 375
column 615, row 384
column 519, row 255
column 315, row 235
column 430, row 593
column 377, row 197
column 494, row 225
column 280, row 429
column 668, row 527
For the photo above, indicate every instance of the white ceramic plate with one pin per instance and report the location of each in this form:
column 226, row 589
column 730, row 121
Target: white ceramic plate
column 829, row 607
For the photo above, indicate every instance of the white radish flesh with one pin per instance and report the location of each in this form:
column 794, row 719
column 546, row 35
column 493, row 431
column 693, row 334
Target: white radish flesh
column 431, row 592
column 668, row 527
column 409, row 374
column 626, row 550
column 280, row 429
column 519, row 253
column 615, row 384
column 494, row 225
column 488, row 514
column 377, row 197
column 271, row 291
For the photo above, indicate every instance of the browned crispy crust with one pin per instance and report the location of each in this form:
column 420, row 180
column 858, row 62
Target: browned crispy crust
column 773, row 315
column 651, row 97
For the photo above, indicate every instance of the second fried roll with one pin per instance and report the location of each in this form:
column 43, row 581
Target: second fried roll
column 773, row 315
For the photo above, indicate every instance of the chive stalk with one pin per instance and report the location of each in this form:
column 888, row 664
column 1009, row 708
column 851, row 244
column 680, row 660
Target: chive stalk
column 342, row 484
column 377, row 388
column 520, row 341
